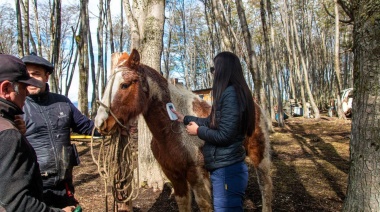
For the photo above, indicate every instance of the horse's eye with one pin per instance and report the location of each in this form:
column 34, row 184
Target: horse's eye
column 124, row 85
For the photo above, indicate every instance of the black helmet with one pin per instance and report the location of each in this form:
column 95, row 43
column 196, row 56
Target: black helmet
column 34, row 59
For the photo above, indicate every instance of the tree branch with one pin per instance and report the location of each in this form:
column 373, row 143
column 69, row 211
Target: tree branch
column 346, row 8
column 333, row 16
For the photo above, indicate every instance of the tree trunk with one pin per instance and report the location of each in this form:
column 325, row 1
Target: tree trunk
column 20, row 43
column 252, row 59
column 122, row 26
column 83, row 59
column 99, row 36
column 289, row 52
column 25, row 10
column 209, row 21
column 296, row 60
column 305, row 78
column 37, row 27
column 146, row 20
column 268, row 104
column 363, row 192
column 221, row 20
column 136, row 14
column 184, row 50
column 104, row 74
column 94, row 105
column 166, row 52
column 55, row 30
column 337, row 63
column 109, row 24
column 71, row 68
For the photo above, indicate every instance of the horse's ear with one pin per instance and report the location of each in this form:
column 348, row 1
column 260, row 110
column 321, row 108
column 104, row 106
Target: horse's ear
column 118, row 59
column 134, row 59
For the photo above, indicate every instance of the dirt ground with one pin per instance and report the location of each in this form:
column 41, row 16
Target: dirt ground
column 309, row 172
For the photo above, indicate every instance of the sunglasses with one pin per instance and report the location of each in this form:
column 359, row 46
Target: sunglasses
column 212, row 70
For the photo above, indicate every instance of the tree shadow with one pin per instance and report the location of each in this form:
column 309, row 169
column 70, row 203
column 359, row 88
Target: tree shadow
column 288, row 192
column 325, row 151
column 318, row 150
column 164, row 202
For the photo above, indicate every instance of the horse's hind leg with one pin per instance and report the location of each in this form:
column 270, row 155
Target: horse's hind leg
column 265, row 183
column 182, row 195
column 200, row 183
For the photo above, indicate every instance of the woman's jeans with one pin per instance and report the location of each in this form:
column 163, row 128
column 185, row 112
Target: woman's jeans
column 228, row 187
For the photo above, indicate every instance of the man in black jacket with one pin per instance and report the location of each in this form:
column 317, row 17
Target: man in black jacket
column 49, row 119
column 20, row 179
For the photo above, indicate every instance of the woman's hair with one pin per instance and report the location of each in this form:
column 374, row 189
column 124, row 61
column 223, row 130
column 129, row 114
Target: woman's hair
column 228, row 71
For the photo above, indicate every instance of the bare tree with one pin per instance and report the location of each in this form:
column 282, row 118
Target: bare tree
column 337, row 69
column 109, row 25
column 37, row 27
column 222, row 22
column 20, row 42
column 364, row 175
column 71, row 66
column 82, row 42
column 305, row 78
column 8, row 39
column 94, row 105
column 252, row 59
column 55, row 38
column 25, row 10
column 99, row 36
column 146, row 35
column 167, row 48
column 268, row 104
column 122, row 26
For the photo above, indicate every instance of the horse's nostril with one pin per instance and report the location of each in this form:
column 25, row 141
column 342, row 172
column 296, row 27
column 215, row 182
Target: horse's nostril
column 98, row 123
column 102, row 126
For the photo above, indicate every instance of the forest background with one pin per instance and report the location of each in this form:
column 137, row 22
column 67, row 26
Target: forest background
column 309, row 50
column 285, row 36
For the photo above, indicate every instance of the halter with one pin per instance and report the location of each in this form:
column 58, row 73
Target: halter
column 108, row 110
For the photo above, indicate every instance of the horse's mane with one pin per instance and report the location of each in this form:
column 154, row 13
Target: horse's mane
column 184, row 100
column 187, row 102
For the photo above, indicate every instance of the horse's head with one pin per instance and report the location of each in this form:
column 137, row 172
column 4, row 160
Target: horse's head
column 124, row 97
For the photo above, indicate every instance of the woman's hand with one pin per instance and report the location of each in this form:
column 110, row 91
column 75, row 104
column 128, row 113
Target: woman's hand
column 192, row 128
column 179, row 115
column 20, row 124
column 68, row 208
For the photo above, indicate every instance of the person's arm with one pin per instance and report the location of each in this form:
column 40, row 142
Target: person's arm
column 16, row 175
column 199, row 121
column 80, row 123
column 229, row 122
column 187, row 119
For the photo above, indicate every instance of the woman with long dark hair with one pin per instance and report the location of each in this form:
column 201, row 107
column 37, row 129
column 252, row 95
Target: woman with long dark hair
column 231, row 120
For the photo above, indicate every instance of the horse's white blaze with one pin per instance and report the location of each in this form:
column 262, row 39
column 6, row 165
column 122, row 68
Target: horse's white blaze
column 108, row 96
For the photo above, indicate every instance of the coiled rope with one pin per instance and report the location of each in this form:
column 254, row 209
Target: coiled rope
column 117, row 162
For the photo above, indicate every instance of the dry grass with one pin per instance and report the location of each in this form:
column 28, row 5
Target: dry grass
column 310, row 164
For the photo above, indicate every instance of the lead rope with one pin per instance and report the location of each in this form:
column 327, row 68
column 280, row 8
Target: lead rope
column 108, row 110
column 116, row 162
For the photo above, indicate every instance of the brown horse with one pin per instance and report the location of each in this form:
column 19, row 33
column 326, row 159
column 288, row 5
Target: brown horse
column 136, row 89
